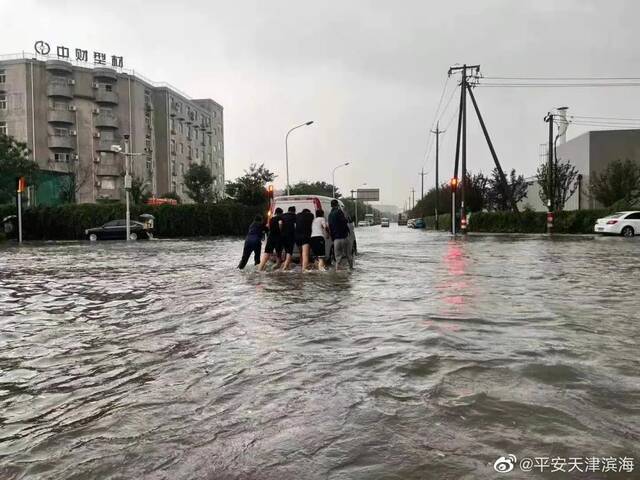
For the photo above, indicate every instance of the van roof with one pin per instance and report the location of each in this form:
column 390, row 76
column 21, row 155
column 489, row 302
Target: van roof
column 296, row 198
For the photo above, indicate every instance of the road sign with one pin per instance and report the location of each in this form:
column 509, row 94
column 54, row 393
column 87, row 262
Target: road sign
column 368, row 194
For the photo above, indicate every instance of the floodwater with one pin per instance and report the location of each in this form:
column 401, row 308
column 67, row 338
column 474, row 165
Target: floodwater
column 160, row 360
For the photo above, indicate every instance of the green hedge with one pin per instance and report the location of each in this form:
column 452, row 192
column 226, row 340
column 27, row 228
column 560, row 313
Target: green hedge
column 68, row 222
column 575, row 221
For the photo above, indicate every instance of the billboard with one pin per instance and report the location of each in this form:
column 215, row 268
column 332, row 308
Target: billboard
column 368, row 194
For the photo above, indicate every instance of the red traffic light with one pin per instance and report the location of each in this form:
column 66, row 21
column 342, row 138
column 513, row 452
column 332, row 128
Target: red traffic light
column 454, row 183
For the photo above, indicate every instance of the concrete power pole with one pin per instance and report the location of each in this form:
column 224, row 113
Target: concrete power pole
column 437, row 132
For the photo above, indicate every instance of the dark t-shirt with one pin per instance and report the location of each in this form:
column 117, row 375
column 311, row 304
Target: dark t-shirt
column 338, row 225
column 303, row 224
column 256, row 229
column 288, row 225
column 274, row 228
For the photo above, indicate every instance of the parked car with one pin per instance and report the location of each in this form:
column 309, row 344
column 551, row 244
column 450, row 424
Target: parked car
column 418, row 223
column 384, row 222
column 117, row 230
column 313, row 203
column 411, row 223
column 619, row 223
column 363, row 223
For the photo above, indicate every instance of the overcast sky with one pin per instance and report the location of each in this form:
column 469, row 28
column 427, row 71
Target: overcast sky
column 369, row 73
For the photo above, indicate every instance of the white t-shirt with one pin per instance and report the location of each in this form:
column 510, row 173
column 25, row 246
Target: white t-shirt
column 317, row 229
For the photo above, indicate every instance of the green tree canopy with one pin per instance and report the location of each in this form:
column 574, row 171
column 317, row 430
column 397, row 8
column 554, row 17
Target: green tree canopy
column 564, row 185
column 14, row 162
column 618, row 184
column 498, row 195
column 314, row 188
column 250, row 188
column 199, row 182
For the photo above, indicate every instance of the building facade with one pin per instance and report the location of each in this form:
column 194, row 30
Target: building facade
column 590, row 153
column 70, row 116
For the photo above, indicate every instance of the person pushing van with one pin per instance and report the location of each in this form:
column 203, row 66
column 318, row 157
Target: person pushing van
column 339, row 229
column 274, row 240
column 288, row 234
column 253, row 242
column 304, row 220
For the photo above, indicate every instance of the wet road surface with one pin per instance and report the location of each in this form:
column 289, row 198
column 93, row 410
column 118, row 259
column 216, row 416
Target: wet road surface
column 160, row 360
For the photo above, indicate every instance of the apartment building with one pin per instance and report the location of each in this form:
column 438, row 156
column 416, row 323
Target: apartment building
column 70, row 115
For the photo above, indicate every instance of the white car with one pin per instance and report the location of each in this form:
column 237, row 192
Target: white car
column 363, row 223
column 384, row 222
column 619, row 223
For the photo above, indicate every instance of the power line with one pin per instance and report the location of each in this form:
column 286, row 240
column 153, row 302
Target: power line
column 559, row 85
column 557, row 78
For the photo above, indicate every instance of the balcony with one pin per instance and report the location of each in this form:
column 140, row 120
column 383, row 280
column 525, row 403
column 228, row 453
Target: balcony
column 104, row 145
column 67, row 143
column 105, row 73
column 106, row 120
column 103, row 96
column 61, row 116
column 108, row 171
column 60, row 90
column 59, row 66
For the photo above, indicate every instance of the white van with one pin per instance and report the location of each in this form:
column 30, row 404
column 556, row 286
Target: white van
column 313, row 203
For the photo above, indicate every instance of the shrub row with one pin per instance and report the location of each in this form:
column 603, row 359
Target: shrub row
column 528, row 221
column 68, row 222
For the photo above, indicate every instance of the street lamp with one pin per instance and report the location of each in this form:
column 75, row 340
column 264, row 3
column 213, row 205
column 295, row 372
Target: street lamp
column 333, row 177
column 286, row 147
column 127, row 177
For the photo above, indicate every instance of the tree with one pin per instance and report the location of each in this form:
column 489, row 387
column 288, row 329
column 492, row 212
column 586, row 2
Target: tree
column 498, row 195
column 564, row 183
column 199, row 182
column 139, row 191
column 477, row 189
column 619, row 183
column 314, row 188
column 14, row 162
column 249, row 189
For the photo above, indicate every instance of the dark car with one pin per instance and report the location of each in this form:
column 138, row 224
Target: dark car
column 117, row 230
column 419, row 223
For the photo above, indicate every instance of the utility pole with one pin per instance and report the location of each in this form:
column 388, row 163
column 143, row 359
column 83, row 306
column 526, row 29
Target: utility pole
column 550, row 173
column 413, row 198
column 422, row 174
column 437, row 133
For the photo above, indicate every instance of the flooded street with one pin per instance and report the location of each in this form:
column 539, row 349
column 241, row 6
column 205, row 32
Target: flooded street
column 160, row 360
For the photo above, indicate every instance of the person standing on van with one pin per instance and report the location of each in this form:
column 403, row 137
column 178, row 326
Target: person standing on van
column 339, row 228
column 304, row 220
column 319, row 230
column 253, row 242
column 274, row 242
column 288, row 234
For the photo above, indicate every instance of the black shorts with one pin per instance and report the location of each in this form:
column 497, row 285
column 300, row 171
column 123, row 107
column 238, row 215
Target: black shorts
column 273, row 245
column 317, row 247
column 302, row 240
column 287, row 245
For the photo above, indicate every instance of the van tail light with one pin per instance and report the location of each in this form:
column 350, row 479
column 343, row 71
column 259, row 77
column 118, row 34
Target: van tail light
column 612, row 222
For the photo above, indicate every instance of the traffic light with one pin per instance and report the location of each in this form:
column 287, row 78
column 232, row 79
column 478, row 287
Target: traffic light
column 454, row 183
column 270, row 192
column 22, row 184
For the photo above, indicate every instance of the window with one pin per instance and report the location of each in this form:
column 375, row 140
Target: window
column 3, row 76
column 181, row 127
column 173, row 186
column 197, row 153
column 60, row 132
column 147, row 144
column 189, row 152
column 173, row 166
column 633, row 216
column 61, row 157
column 209, row 139
column 181, row 148
column 149, row 164
column 3, row 128
column 173, row 147
column 3, row 101
column 108, row 87
column 173, row 125
column 196, row 130
column 209, row 158
column 108, row 183
column 182, row 169
column 182, row 188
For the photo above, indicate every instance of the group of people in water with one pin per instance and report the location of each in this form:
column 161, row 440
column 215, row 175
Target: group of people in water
column 309, row 232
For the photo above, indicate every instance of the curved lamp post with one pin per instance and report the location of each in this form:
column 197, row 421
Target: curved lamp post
column 286, row 147
column 333, row 177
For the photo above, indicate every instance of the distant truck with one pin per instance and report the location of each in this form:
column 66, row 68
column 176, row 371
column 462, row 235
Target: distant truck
column 402, row 219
